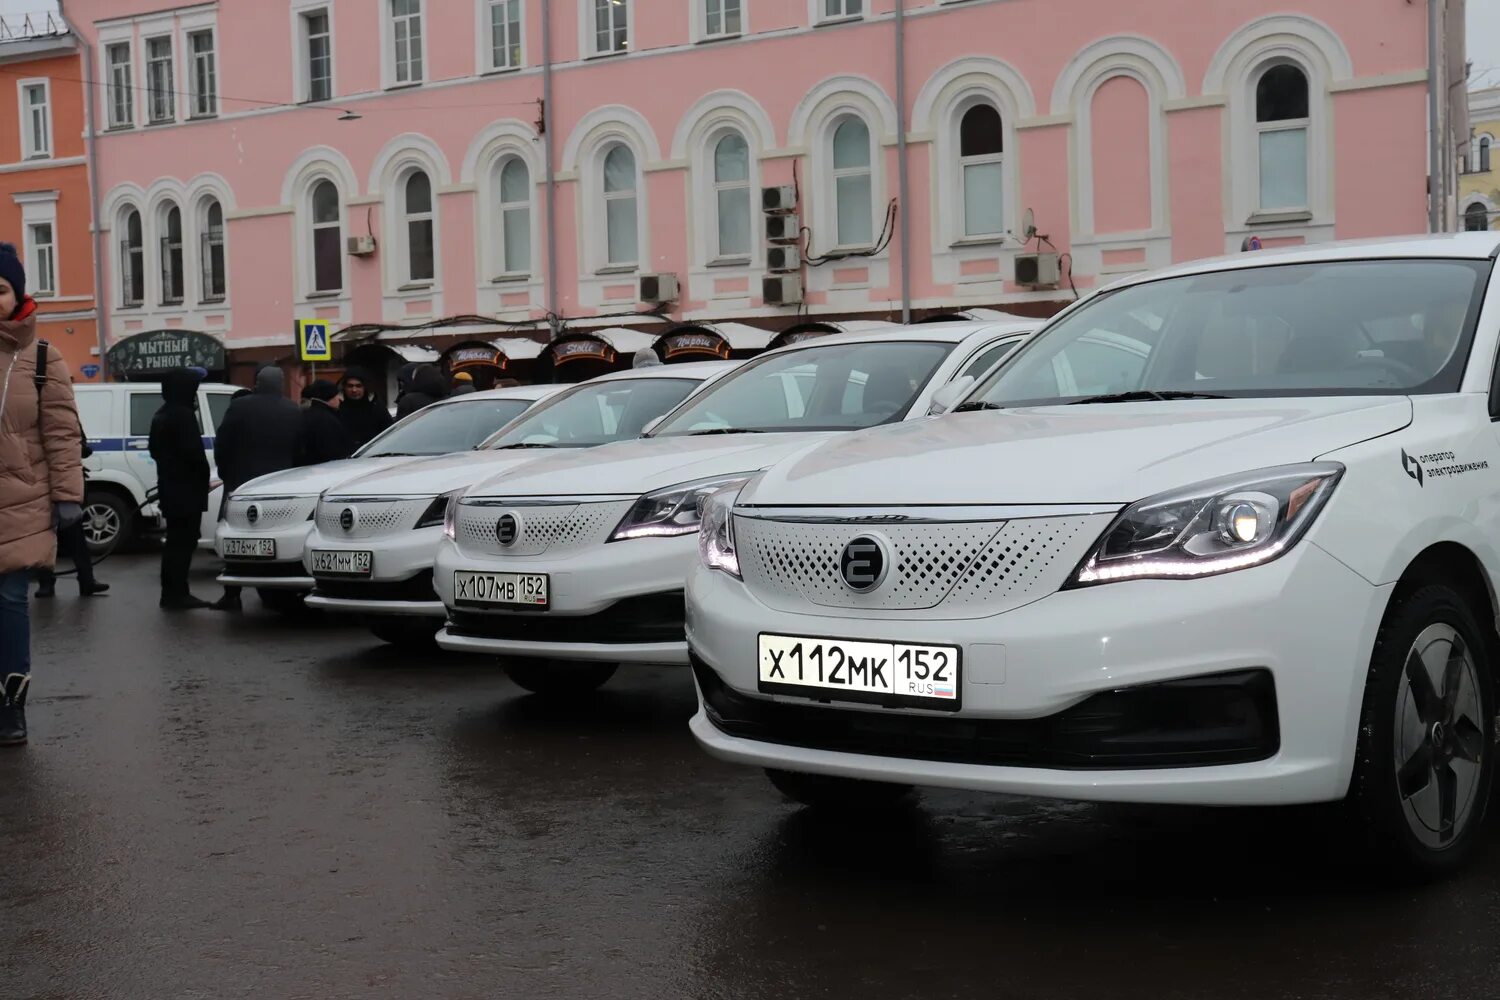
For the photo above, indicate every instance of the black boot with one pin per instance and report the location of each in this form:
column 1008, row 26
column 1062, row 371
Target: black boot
column 13, row 710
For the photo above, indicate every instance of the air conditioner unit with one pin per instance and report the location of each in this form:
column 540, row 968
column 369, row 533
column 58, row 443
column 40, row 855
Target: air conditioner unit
column 781, row 289
column 784, row 228
column 658, row 288
column 783, row 259
column 1038, row 270
column 782, row 198
column 360, row 246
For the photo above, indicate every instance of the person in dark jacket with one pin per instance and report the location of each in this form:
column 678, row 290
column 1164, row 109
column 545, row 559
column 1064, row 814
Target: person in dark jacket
column 261, row 434
column 427, row 387
column 362, row 413
column 181, row 482
column 324, row 436
column 72, row 543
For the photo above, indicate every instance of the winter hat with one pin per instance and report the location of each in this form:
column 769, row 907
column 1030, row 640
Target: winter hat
column 270, row 381
column 320, row 389
column 12, row 270
column 462, row 377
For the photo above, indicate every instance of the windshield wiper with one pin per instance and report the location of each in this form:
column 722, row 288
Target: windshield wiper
column 976, row 404
column 1144, row 395
column 398, row 454
column 725, row 430
column 523, row 444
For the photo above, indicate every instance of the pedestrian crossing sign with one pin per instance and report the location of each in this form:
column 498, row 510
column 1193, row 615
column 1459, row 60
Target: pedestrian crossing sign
column 313, row 340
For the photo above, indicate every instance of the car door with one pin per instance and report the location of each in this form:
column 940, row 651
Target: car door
column 141, row 403
column 212, row 405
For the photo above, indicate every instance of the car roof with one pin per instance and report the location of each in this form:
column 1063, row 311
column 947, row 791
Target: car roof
column 1471, row 246
column 699, row 370
column 941, row 333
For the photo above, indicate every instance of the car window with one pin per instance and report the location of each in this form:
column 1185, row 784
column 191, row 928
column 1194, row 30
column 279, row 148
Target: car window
column 94, row 411
column 449, row 427
column 818, row 387
column 218, row 405
column 143, row 406
column 595, row 413
column 1346, row 327
column 987, row 359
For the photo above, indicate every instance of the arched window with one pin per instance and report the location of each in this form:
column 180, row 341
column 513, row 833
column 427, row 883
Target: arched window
column 1484, row 154
column 981, row 157
column 211, row 228
column 417, row 210
column 621, row 221
column 513, row 201
column 1282, row 119
column 171, row 256
column 133, row 260
column 732, row 197
column 327, row 238
column 1476, row 218
column 852, row 184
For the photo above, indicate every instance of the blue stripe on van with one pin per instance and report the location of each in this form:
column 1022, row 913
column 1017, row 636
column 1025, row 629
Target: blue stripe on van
column 118, row 444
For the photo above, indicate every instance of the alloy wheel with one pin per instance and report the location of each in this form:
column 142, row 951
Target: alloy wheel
column 1439, row 742
column 101, row 524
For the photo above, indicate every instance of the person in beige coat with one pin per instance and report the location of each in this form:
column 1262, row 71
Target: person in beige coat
column 41, row 479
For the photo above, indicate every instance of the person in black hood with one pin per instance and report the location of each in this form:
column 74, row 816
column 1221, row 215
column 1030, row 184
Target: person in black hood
column 261, row 434
column 181, row 483
column 324, row 436
column 362, row 413
column 427, row 387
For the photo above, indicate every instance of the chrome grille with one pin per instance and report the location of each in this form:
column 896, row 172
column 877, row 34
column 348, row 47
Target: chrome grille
column 543, row 528
column 372, row 518
column 970, row 568
column 271, row 513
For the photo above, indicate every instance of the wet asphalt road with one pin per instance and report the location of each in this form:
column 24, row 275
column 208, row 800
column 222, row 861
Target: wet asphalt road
column 257, row 807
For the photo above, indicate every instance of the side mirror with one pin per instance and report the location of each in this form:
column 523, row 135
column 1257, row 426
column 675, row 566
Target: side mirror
column 950, row 395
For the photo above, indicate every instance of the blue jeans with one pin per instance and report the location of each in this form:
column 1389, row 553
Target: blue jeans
column 15, row 623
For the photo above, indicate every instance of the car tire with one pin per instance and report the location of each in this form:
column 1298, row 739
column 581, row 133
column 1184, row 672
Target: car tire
column 552, row 679
column 824, row 791
column 283, row 602
column 1422, row 770
column 417, row 635
column 108, row 521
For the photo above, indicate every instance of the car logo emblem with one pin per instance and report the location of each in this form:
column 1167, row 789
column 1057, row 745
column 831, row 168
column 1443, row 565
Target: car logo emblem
column 346, row 519
column 252, row 513
column 863, row 564
column 508, row 529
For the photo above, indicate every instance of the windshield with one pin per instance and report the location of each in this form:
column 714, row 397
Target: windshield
column 1333, row 328
column 596, row 413
column 832, row 387
column 438, row 430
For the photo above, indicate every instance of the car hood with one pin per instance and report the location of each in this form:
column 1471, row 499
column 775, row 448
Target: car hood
column 645, row 464
column 1105, row 454
column 310, row 480
column 437, row 475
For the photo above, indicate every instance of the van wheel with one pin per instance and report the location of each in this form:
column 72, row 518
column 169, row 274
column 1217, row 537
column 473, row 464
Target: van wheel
column 1423, row 766
column 823, row 791
column 553, row 679
column 107, row 522
column 418, row 636
column 285, row 602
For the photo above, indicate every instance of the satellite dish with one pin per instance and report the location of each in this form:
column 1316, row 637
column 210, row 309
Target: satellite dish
column 1028, row 225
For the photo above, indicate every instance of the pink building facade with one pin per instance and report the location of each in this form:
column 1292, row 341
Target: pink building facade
column 243, row 147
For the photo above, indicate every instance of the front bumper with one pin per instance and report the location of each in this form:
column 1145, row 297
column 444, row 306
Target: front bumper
column 284, row 572
column 619, row 602
column 1306, row 621
column 400, row 580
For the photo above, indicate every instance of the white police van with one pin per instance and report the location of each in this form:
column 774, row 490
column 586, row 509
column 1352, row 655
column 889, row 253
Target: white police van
column 117, row 422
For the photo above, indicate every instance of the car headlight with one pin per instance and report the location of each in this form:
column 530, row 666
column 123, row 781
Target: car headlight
column 1215, row 527
column 437, row 512
column 675, row 510
column 450, row 514
column 716, row 537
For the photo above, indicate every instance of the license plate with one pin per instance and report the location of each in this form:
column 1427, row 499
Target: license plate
column 529, row 589
column 249, row 548
column 338, row 562
column 884, row 673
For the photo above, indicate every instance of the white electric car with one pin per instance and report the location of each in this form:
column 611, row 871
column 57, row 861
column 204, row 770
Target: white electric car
column 267, row 520
column 1223, row 535
column 582, row 556
column 375, row 536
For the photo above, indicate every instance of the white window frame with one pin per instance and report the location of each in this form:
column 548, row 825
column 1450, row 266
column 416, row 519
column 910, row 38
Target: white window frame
column 401, row 276
column 960, row 221
column 830, row 235
column 126, row 268
column 29, row 148
column 307, row 228
column 500, row 263
column 202, row 104
column 204, row 244
column 1484, row 150
column 486, row 50
column 162, row 231
column 589, row 38
column 702, row 13
column 1303, row 125
column 39, row 208
column 605, row 265
column 716, row 256
column 112, row 87
column 818, row 11
column 302, row 64
column 390, row 68
column 169, row 94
